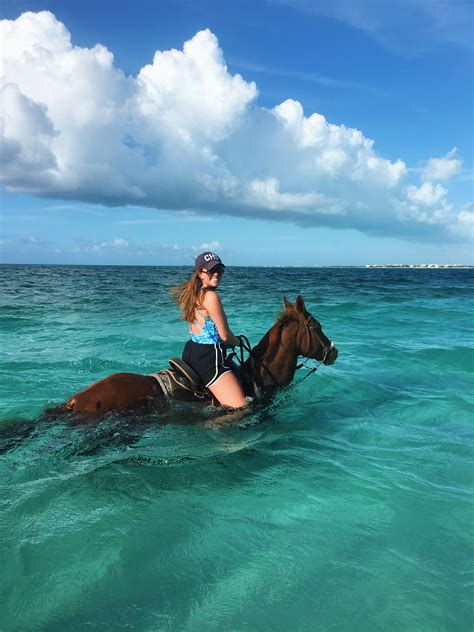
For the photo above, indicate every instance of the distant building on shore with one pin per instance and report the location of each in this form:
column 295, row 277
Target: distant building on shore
column 417, row 265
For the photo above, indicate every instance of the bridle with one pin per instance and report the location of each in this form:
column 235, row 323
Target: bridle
column 326, row 349
column 245, row 344
column 316, row 330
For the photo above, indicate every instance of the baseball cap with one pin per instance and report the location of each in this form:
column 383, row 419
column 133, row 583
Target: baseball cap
column 207, row 261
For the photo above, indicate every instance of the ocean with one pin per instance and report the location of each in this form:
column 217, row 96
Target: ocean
column 344, row 505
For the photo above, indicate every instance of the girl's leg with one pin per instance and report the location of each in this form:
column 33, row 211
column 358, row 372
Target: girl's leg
column 228, row 391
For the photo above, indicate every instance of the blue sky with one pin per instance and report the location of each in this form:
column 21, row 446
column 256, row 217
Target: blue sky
column 253, row 138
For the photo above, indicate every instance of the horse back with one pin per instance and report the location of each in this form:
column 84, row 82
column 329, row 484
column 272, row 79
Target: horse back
column 116, row 391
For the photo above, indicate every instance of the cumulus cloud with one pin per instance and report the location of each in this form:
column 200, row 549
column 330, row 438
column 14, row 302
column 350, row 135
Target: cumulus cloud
column 442, row 168
column 426, row 204
column 464, row 222
column 187, row 135
column 26, row 132
column 120, row 243
column 102, row 246
column 426, row 194
column 170, row 252
column 213, row 246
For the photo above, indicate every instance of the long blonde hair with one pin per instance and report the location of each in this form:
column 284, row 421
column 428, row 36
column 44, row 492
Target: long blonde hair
column 188, row 296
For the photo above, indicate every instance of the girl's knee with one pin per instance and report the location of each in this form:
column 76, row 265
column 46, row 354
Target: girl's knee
column 228, row 391
column 232, row 401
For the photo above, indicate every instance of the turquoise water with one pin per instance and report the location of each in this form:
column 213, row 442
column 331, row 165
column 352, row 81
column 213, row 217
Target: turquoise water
column 346, row 505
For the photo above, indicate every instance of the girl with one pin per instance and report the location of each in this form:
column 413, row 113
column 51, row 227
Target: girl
column 201, row 307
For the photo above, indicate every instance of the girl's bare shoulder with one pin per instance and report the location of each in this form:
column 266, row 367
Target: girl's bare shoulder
column 211, row 299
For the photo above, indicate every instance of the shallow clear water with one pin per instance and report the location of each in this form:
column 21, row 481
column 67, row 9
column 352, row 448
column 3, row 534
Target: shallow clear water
column 346, row 505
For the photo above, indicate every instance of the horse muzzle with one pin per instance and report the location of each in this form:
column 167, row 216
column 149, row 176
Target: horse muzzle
column 331, row 355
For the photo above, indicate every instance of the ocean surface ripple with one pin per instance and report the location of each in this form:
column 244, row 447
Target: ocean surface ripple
column 344, row 505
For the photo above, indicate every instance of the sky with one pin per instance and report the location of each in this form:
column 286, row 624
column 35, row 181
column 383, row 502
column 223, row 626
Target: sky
column 275, row 132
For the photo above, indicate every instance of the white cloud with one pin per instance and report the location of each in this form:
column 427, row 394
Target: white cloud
column 26, row 132
column 120, row 243
column 25, row 243
column 426, row 194
column 442, row 168
column 102, row 246
column 212, row 246
column 266, row 194
column 186, row 135
column 174, row 252
column 464, row 224
column 426, row 204
column 191, row 92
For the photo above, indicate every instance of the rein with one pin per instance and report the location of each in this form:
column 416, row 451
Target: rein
column 245, row 345
column 248, row 348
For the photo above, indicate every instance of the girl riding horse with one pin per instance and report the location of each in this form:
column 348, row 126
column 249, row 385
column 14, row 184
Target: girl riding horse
column 205, row 352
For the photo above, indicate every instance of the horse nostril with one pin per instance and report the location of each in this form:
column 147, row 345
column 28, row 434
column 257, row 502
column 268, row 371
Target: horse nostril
column 332, row 355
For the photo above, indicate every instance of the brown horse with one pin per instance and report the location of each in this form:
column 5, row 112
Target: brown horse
column 271, row 365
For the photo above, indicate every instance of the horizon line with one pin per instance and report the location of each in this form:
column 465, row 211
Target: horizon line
column 314, row 265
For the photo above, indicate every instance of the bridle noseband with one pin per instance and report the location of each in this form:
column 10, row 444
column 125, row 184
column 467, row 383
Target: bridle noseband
column 309, row 329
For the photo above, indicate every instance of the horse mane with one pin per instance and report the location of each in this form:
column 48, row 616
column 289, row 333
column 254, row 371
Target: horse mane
column 268, row 343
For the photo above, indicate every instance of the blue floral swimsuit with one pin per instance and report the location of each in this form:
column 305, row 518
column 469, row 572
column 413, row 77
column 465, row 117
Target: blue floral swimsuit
column 209, row 334
column 205, row 352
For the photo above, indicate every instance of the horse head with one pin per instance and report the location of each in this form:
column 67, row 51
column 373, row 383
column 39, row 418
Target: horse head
column 311, row 340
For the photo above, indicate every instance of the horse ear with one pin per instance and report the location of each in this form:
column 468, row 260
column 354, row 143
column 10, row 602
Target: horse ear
column 288, row 305
column 300, row 304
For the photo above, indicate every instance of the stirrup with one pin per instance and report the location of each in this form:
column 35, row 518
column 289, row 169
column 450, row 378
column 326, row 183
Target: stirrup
column 179, row 365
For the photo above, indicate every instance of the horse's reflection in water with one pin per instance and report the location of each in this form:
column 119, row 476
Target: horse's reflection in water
column 272, row 364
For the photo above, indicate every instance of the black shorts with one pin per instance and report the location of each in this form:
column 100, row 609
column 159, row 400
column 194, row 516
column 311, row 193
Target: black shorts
column 207, row 360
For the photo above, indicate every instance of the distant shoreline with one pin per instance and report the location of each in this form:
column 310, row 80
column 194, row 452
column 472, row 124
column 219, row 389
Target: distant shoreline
column 418, row 265
column 406, row 266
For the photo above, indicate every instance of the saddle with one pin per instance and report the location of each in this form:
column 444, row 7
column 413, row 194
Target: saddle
column 181, row 382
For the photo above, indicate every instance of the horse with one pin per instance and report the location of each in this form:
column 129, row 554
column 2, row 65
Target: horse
column 271, row 365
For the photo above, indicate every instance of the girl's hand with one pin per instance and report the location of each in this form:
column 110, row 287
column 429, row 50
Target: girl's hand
column 233, row 341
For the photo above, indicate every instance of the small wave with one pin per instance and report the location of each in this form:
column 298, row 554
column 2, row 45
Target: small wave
column 459, row 358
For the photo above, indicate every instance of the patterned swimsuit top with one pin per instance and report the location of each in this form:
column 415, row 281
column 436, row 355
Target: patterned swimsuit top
column 209, row 334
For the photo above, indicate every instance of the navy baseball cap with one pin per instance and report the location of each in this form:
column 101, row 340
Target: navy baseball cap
column 207, row 261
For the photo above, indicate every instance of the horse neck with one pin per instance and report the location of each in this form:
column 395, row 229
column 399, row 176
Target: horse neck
column 278, row 369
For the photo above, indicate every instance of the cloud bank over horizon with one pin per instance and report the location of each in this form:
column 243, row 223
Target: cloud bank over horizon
column 185, row 134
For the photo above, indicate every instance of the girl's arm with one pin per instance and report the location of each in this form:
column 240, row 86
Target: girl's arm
column 213, row 305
